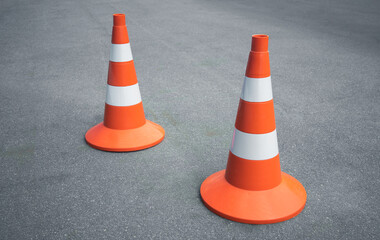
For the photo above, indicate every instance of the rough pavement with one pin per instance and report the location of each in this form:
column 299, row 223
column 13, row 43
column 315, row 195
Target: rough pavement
column 190, row 58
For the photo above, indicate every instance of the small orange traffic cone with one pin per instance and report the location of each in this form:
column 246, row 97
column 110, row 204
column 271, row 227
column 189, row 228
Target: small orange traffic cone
column 253, row 189
column 124, row 127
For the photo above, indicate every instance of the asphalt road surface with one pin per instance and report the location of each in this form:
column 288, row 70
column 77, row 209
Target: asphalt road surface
column 190, row 59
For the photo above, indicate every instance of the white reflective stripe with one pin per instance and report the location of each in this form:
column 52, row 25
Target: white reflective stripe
column 254, row 146
column 121, row 53
column 257, row 89
column 123, row 96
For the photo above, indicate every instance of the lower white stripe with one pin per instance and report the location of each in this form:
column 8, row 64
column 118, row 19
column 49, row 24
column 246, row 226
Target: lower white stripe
column 123, row 96
column 257, row 89
column 254, row 146
column 121, row 53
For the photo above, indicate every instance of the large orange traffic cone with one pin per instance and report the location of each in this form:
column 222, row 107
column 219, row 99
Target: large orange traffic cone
column 124, row 127
column 253, row 189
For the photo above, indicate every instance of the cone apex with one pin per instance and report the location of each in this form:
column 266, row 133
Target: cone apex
column 119, row 19
column 259, row 43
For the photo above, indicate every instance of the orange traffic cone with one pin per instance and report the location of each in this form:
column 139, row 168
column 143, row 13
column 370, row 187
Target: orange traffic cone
column 124, row 127
column 253, row 189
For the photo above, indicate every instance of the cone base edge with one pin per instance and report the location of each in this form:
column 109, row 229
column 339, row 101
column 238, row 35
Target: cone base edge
column 225, row 212
column 120, row 140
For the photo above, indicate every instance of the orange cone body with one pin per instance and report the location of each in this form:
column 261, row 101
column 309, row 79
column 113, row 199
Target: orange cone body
column 124, row 127
column 253, row 189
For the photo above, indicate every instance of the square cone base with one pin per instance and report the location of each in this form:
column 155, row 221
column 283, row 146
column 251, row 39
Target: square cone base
column 116, row 140
column 256, row 207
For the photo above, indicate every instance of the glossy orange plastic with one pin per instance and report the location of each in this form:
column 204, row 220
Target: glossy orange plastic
column 253, row 175
column 119, row 30
column 124, row 117
column 121, row 74
column 255, row 117
column 258, row 60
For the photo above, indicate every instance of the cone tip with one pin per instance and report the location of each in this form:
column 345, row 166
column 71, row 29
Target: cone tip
column 119, row 19
column 259, row 43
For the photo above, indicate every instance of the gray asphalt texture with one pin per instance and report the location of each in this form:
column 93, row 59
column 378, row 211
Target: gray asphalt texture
column 190, row 59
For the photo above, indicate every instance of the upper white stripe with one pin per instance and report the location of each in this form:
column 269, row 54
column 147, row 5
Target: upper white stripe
column 254, row 146
column 123, row 96
column 121, row 53
column 257, row 89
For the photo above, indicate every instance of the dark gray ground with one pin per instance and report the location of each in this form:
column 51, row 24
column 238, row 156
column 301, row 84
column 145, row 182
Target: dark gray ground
column 190, row 59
